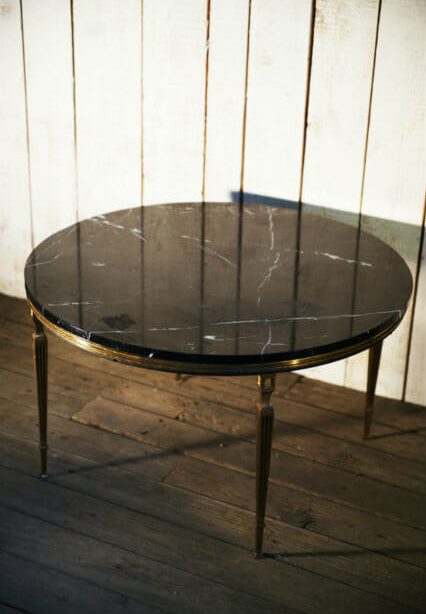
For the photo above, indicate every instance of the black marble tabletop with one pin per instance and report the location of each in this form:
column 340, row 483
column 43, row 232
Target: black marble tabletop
column 218, row 283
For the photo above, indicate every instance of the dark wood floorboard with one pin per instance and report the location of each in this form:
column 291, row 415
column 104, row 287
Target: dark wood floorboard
column 32, row 587
column 149, row 506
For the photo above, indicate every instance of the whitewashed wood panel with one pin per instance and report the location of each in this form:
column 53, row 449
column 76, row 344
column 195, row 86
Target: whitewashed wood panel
column 279, row 44
column 174, row 57
column 416, row 388
column 394, row 182
column 225, row 101
column 107, row 36
column 15, row 215
column 342, row 64
column 48, row 52
column 146, row 60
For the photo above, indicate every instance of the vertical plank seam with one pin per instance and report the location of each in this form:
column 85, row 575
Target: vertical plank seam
column 302, row 169
column 27, row 126
column 370, row 105
column 76, row 182
column 203, row 180
column 142, row 112
column 365, row 155
column 206, row 93
column 74, row 98
column 241, row 190
column 413, row 309
column 307, row 98
column 244, row 127
column 142, row 175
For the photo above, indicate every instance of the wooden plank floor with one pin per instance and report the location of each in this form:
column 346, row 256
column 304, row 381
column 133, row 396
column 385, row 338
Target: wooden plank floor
column 149, row 506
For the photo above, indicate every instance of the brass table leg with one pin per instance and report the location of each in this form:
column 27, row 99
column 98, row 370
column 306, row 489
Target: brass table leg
column 373, row 371
column 264, row 423
column 40, row 371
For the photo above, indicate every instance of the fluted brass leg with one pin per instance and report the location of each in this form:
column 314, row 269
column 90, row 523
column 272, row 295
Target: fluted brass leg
column 40, row 370
column 373, row 371
column 265, row 422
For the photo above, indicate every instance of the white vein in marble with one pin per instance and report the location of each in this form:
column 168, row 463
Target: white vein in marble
column 209, row 250
column 268, row 275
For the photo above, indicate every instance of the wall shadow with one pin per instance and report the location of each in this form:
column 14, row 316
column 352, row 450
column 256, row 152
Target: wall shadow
column 403, row 237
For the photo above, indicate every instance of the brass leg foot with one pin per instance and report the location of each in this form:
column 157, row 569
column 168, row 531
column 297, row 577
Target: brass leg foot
column 373, row 371
column 40, row 370
column 265, row 421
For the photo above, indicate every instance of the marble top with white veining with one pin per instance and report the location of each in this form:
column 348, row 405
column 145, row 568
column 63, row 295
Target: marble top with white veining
column 218, row 282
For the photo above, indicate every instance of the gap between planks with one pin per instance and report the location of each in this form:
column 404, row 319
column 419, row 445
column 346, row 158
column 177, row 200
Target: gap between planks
column 167, row 530
column 288, row 414
column 292, row 462
column 389, row 532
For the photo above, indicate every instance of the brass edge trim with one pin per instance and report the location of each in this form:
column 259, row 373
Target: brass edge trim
column 176, row 366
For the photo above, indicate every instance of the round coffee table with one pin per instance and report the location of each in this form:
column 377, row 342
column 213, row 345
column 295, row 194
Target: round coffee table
column 217, row 289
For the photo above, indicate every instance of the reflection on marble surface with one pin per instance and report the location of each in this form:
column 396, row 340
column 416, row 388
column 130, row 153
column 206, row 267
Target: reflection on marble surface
column 218, row 282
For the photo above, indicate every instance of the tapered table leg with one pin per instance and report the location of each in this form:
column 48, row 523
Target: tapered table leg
column 373, row 371
column 40, row 370
column 264, row 423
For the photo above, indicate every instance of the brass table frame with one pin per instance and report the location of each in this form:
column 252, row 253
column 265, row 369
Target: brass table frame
column 265, row 382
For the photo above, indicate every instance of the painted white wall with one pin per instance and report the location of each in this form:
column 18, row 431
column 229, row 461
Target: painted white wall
column 112, row 103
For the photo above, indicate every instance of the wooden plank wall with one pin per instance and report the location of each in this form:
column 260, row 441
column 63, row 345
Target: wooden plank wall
column 106, row 104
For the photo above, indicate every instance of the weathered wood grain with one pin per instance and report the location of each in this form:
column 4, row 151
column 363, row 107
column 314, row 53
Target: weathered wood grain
column 348, row 456
column 31, row 587
column 164, row 540
column 169, row 405
column 241, row 393
column 176, row 433
column 340, row 528
column 355, row 490
column 142, row 578
column 402, row 417
column 299, row 509
column 342, row 418
column 289, row 505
